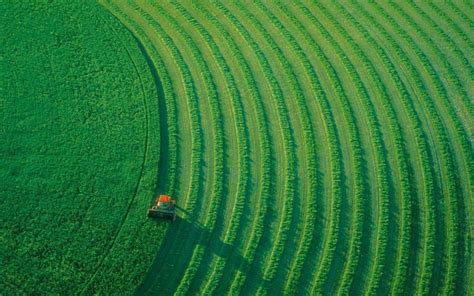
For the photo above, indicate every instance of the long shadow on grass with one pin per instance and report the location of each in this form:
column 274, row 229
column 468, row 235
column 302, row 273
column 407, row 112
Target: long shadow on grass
column 163, row 163
column 186, row 227
column 157, row 280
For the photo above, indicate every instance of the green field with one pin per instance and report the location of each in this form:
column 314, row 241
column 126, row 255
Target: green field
column 313, row 148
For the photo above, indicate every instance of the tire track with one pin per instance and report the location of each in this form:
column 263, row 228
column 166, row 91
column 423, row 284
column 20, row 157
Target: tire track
column 167, row 248
column 217, row 162
column 145, row 152
column 288, row 130
column 215, row 263
column 265, row 168
column 426, row 184
column 432, row 120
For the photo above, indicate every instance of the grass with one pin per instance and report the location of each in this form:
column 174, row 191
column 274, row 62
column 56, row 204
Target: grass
column 79, row 150
column 313, row 148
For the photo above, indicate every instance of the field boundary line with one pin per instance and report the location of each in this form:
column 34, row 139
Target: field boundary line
column 145, row 153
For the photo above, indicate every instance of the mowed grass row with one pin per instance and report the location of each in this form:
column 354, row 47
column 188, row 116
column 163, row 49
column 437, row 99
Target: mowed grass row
column 331, row 266
column 283, row 201
column 312, row 90
column 202, row 196
column 209, row 242
column 232, row 221
column 375, row 147
column 421, row 71
column 190, row 131
column 351, row 265
column 332, row 155
column 458, row 116
column 208, row 215
column 291, row 205
column 442, row 167
column 261, row 154
column 397, row 157
column 420, row 170
column 437, row 39
column 260, row 222
column 216, row 169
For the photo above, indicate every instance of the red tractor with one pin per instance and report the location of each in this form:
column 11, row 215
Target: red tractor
column 164, row 207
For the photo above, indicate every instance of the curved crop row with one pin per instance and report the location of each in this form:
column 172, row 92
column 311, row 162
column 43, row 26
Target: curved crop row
column 269, row 270
column 459, row 130
column 191, row 95
column 264, row 142
column 355, row 149
column 330, row 129
column 449, row 40
column 454, row 46
column 192, row 102
column 421, row 150
column 442, row 139
column 308, row 137
column 402, row 157
column 443, row 129
column 257, row 229
column 288, row 141
column 381, row 164
column 243, row 170
column 454, row 26
column 239, row 124
column 455, row 236
column 445, row 63
column 401, row 275
column 218, row 150
column 464, row 17
column 442, row 89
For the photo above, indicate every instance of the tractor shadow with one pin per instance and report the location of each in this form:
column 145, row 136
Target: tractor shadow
column 163, row 163
column 185, row 234
column 182, row 237
column 214, row 244
column 211, row 240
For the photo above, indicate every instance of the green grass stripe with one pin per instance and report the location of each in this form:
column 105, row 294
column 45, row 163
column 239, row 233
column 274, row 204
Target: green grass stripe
column 320, row 277
column 282, row 119
column 218, row 153
column 455, row 237
column 308, row 138
column 454, row 41
column 444, row 155
column 269, row 270
column 290, row 284
column 256, row 230
column 378, row 146
column 330, row 128
column 427, row 181
column 465, row 19
column 197, row 142
column 230, row 235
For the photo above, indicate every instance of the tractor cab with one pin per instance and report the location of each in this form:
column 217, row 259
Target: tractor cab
column 164, row 207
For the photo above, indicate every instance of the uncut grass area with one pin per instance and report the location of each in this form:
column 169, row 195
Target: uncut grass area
column 79, row 148
column 312, row 148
